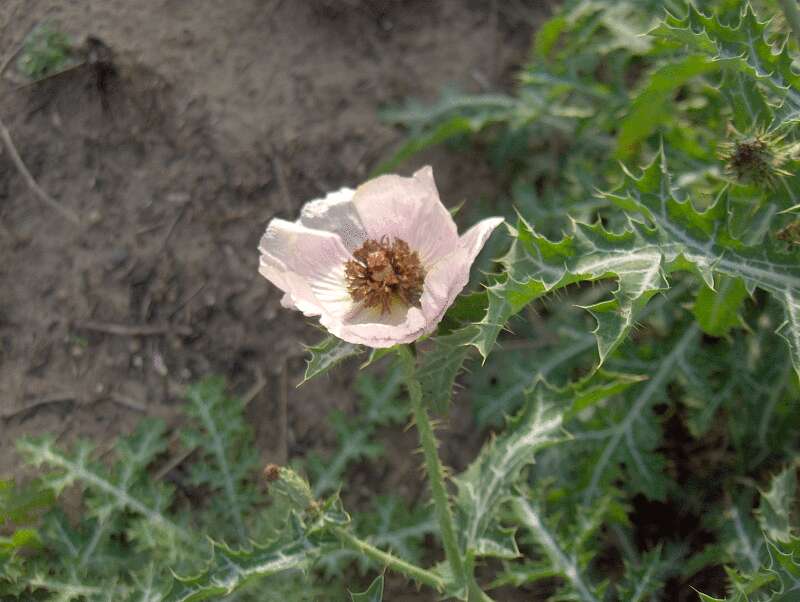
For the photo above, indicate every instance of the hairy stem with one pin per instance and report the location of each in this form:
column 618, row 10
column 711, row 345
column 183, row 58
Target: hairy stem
column 433, row 467
column 392, row 562
column 792, row 13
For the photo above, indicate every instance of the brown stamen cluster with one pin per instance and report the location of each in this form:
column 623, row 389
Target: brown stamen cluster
column 381, row 272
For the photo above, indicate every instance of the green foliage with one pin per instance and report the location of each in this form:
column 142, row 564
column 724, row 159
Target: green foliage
column 775, row 509
column 373, row 594
column 18, row 506
column 328, row 353
column 134, row 531
column 487, row 483
column 691, row 230
column 45, row 52
column 379, row 406
column 718, row 310
column 229, row 570
column 650, row 109
column 774, row 571
column 744, row 48
column 227, row 459
column 354, row 443
column 560, row 562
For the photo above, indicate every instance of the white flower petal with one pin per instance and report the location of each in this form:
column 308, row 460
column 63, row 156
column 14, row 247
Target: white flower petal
column 448, row 277
column 408, row 209
column 336, row 213
column 307, row 264
column 472, row 240
column 380, row 334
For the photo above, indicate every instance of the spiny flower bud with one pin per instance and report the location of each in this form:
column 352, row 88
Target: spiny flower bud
column 756, row 158
column 790, row 233
column 286, row 483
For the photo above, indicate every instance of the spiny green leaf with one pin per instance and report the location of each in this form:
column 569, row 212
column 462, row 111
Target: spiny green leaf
column 704, row 241
column 439, row 367
column 21, row 538
column 565, row 565
column 775, row 509
column 326, row 354
column 380, row 397
column 547, row 35
column 595, row 388
column 751, row 112
column 740, row 536
column 123, row 488
column 454, row 115
column 355, row 443
column 511, row 373
column 374, row 592
column 224, row 441
column 634, row 434
column 75, row 589
column 645, row 579
column 785, row 564
column 229, row 569
column 486, row 484
column 718, row 310
column 535, row 266
column 20, row 504
column 743, row 47
column 650, row 108
column 45, row 52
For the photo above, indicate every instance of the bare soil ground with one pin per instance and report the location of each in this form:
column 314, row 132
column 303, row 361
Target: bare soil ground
column 221, row 115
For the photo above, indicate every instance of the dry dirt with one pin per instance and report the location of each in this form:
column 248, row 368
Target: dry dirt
column 221, row 116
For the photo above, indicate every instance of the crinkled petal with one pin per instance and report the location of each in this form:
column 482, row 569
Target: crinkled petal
column 442, row 284
column 336, row 213
column 408, row 209
column 403, row 327
column 448, row 277
column 307, row 264
column 472, row 240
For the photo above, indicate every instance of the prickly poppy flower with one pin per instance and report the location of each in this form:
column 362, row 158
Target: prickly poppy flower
column 379, row 265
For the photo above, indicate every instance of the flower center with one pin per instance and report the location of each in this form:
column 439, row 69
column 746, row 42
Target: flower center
column 380, row 273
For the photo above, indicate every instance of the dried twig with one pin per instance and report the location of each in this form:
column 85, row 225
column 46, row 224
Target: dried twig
column 67, row 396
column 134, row 330
column 32, row 184
column 187, row 299
column 173, row 225
column 253, row 391
column 8, row 60
column 127, row 402
column 175, row 462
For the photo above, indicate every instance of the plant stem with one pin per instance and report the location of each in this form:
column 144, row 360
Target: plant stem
column 792, row 13
column 399, row 565
column 433, row 467
column 476, row 594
